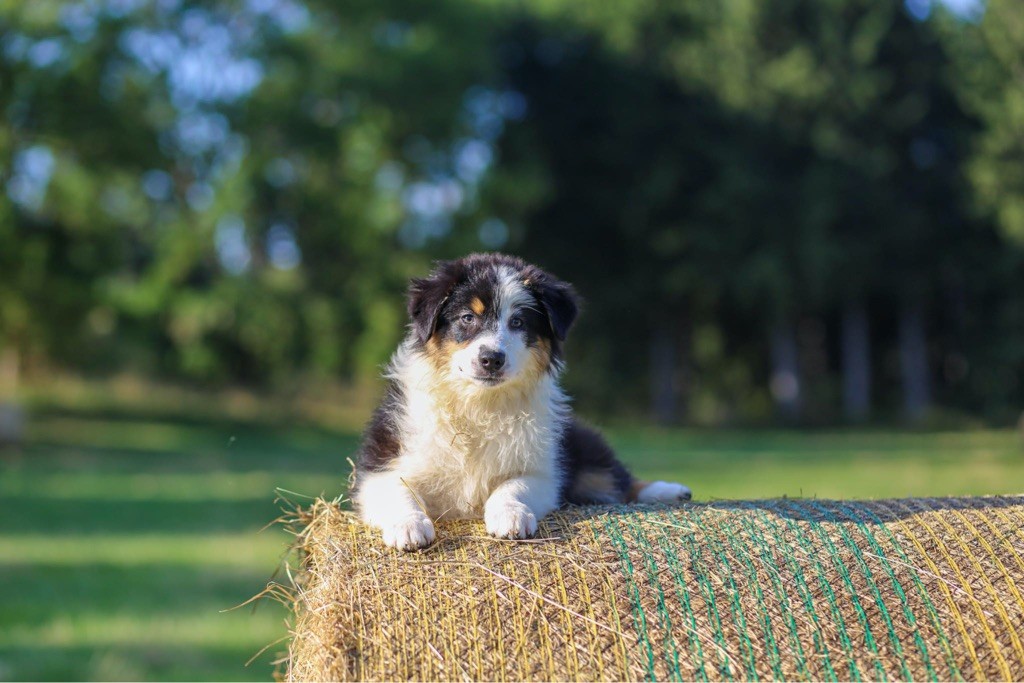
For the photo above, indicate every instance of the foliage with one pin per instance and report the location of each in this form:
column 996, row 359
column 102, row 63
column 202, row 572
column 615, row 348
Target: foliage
column 236, row 191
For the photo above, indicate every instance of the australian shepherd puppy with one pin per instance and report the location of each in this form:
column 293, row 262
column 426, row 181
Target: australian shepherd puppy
column 474, row 423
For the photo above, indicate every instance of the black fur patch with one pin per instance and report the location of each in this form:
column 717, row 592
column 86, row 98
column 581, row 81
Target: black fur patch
column 428, row 296
column 560, row 303
column 381, row 442
column 592, row 472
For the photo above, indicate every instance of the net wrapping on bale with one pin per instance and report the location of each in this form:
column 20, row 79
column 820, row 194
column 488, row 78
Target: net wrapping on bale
column 780, row 589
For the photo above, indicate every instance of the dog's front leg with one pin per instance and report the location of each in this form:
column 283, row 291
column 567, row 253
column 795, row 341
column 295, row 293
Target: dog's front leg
column 386, row 502
column 513, row 508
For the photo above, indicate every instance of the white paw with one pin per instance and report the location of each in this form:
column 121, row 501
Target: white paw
column 409, row 534
column 511, row 520
column 663, row 492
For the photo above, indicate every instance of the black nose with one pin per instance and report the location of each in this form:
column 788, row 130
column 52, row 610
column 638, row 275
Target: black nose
column 491, row 360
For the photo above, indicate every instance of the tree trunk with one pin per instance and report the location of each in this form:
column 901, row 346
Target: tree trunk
column 684, row 371
column 785, row 380
column 12, row 418
column 9, row 366
column 914, row 362
column 663, row 371
column 856, row 354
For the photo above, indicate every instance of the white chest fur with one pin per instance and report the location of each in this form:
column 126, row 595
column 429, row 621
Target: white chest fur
column 459, row 444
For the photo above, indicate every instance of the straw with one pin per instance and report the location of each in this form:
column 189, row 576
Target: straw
column 789, row 589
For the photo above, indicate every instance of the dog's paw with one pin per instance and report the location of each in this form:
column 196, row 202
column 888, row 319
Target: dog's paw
column 663, row 492
column 510, row 520
column 409, row 534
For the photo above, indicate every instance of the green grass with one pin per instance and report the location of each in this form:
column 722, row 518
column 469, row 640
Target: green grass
column 123, row 540
column 838, row 464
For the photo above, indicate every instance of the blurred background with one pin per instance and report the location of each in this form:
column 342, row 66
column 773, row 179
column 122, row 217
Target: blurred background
column 798, row 226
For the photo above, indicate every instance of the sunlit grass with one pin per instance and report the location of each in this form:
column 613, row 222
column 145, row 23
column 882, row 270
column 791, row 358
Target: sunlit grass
column 229, row 629
column 197, row 487
column 123, row 542
column 182, row 439
column 868, row 464
column 208, row 550
column 102, row 628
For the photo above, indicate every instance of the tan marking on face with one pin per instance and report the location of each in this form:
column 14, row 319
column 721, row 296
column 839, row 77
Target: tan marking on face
column 433, row 352
column 439, row 352
column 540, row 360
column 634, row 490
column 477, row 306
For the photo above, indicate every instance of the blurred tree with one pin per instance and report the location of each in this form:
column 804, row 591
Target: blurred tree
column 767, row 202
column 68, row 153
column 224, row 187
column 989, row 55
column 827, row 145
column 986, row 362
column 625, row 156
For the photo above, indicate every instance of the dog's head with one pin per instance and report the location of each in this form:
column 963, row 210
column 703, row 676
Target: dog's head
column 490, row 320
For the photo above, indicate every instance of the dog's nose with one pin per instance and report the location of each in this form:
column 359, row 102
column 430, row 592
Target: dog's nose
column 491, row 360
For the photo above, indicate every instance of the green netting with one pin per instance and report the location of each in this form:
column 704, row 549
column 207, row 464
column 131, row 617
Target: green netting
column 921, row 589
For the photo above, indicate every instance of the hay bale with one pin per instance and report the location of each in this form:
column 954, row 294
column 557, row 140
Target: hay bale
column 779, row 589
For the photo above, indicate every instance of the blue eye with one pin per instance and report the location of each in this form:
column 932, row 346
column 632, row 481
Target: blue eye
column 515, row 322
column 468, row 318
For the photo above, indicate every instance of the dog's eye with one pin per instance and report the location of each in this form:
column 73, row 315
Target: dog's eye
column 468, row 319
column 515, row 322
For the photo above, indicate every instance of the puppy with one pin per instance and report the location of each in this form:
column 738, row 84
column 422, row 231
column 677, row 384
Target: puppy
column 474, row 423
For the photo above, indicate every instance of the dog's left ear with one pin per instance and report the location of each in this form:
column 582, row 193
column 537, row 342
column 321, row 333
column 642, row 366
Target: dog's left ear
column 427, row 297
column 561, row 304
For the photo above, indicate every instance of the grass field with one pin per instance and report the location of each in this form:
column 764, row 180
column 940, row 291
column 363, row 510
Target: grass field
column 123, row 539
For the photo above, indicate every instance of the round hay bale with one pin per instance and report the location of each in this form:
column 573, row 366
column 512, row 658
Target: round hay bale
column 778, row 589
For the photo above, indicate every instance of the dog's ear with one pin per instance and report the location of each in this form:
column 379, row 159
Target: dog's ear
column 428, row 295
column 560, row 302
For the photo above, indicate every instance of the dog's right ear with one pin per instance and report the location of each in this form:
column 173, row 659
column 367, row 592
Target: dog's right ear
column 427, row 297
